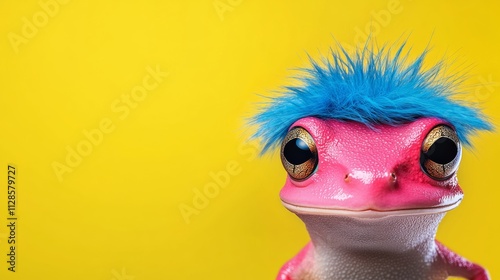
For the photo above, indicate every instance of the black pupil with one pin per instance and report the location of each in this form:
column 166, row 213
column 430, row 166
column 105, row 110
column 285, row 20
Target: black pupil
column 443, row 151
column 297, row 152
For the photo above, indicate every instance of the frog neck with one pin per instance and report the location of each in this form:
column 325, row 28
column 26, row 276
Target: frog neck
column 359, row 248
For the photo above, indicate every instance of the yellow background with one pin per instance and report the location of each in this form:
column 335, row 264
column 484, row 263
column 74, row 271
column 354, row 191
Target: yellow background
column 116, row 214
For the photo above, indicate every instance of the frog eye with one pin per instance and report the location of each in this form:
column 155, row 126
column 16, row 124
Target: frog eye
column 441, row 153
column 299, row 154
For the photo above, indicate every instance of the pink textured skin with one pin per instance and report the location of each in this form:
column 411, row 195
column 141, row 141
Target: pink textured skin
column 369, row 157
column 355, row 174
column 459, row 266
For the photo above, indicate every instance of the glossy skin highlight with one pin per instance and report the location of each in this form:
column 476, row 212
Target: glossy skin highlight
column 370, row 209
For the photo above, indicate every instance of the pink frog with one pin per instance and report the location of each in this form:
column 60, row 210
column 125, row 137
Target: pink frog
column 371, row 143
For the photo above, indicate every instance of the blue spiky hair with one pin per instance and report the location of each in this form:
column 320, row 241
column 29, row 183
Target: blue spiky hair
column 370, row 87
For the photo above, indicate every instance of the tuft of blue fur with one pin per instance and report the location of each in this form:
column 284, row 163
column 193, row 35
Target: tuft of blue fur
column 369, row 87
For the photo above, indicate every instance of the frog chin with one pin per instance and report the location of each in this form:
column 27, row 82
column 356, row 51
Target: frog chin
column 369, row 213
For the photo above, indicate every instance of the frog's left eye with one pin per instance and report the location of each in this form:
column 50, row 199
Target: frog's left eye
column 441, row 153
column 299, row 154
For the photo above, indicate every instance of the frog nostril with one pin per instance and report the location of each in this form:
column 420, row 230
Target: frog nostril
column 393, row 177
column 347, row 178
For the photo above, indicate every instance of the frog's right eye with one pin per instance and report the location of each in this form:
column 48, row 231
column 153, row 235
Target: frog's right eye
column 299, row 154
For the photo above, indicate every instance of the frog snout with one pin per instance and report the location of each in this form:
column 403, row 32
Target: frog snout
column 363, row 178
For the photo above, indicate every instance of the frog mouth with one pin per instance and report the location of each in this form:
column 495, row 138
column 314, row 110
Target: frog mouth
column 369, row 213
